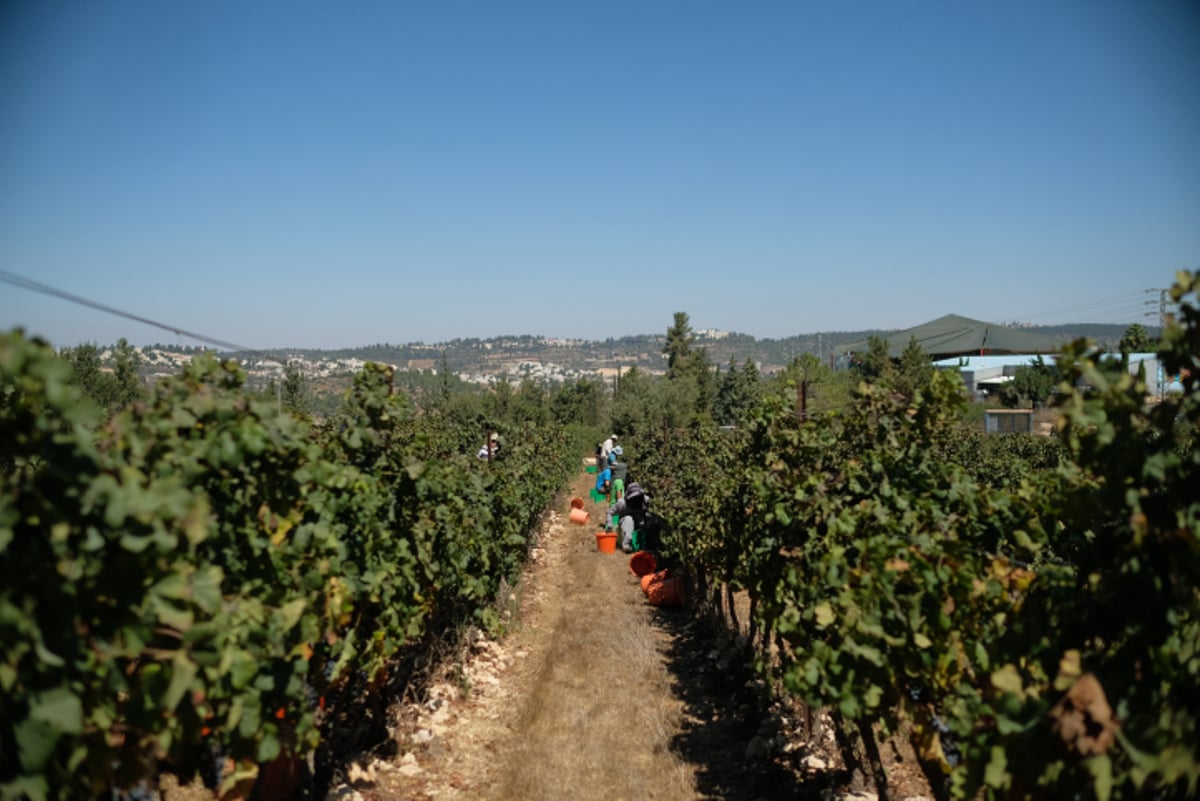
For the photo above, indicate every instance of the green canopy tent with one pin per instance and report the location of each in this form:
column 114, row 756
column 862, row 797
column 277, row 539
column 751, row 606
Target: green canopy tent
column 952, row 335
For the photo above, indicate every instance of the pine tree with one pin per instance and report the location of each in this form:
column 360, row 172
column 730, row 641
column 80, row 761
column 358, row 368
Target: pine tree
column 875, row 365
column 738, row 392
column 678, row 347
column 915, row 368
column 295, row 396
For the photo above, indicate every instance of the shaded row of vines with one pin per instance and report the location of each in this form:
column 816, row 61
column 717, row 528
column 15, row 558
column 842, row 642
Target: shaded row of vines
column 1027, row 610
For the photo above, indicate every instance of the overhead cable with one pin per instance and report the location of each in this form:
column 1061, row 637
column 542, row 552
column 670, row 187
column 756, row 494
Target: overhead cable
column 37, row 286
column 1130, row 304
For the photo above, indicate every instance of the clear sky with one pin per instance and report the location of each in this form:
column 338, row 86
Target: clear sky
column 321, row 174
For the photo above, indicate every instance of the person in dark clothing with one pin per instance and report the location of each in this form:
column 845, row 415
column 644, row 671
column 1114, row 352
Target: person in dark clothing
column 638, row 527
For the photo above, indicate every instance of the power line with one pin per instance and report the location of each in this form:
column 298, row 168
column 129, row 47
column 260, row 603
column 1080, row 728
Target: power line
column 1131, row 305
column 37, row 286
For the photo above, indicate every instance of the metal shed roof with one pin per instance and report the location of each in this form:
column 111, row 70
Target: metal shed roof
column 953, row 335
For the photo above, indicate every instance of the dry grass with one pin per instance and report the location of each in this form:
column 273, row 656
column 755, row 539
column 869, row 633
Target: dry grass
column 598, row 713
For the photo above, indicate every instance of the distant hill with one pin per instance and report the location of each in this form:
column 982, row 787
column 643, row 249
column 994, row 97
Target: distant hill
column 517, row 355
column 481, row 361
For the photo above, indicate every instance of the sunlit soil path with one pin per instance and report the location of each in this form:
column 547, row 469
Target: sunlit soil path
column 592, row 695
column 575, row 702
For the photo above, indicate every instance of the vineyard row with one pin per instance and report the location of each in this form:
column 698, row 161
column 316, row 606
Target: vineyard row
column 201, row 577
column 1027, row 608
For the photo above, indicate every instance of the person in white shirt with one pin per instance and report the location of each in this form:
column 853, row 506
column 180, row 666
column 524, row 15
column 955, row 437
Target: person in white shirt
column 490, row 447
column 605, row 449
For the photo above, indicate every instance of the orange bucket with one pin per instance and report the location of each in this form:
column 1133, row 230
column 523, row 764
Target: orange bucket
column 642, row 563
column 665, row 590
column 579, row 515
column 577, row 503
column 654, row 578
column 606, row 541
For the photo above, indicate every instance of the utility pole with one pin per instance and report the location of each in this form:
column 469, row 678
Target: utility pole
column 1160, row 384
column 1162, row 329
column 1159, row 378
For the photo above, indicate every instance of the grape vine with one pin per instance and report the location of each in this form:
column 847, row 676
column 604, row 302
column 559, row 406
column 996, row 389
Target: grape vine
column 1028, row 608
column 200, row 574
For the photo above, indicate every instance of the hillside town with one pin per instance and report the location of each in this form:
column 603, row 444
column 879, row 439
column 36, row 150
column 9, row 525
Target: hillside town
column 556, row 360
column 544, row 359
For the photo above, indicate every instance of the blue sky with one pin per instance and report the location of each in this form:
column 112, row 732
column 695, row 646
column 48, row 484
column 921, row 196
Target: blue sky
column 315, row 174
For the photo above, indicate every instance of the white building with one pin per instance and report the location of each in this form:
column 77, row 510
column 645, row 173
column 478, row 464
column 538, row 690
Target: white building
column 986, row 374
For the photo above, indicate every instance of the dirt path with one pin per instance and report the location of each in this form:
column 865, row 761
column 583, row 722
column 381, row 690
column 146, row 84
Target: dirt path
column 594, row 696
